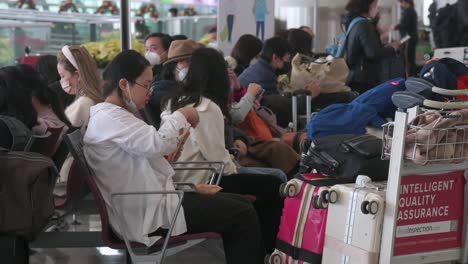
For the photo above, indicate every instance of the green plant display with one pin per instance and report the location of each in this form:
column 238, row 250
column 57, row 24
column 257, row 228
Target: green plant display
column 104, row 52
column 6, row 52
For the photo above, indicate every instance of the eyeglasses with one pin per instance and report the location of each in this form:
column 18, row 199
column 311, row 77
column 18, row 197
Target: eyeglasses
column 149, row 89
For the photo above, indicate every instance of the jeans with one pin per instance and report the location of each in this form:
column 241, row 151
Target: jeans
column 264, row 171
column 260, row 27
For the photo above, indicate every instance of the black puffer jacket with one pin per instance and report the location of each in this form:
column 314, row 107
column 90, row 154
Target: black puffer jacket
column 364, row 53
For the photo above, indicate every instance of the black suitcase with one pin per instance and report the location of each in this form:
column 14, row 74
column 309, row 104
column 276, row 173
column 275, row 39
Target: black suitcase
column 347, row 156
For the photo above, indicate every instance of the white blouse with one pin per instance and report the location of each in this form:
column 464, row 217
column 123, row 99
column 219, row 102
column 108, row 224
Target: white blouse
column 206, row 143
column 127, row 155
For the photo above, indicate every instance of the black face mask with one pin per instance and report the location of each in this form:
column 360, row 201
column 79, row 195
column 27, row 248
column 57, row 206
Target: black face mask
column 285, row 70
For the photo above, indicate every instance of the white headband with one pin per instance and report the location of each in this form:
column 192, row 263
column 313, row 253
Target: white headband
column 66, row 51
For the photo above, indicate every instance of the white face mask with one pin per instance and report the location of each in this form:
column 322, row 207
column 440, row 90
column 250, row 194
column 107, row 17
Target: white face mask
column 213, row 45
column 153, row 58
column 182, row 74
column 129, row 103
column 66, row 86
column 253, row 61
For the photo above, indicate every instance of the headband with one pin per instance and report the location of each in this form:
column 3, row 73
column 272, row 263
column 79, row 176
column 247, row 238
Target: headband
column 66, row 51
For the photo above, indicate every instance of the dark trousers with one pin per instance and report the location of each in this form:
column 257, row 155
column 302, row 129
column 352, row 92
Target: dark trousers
column 230, row 24
column 268, row 203
column 231, row 215
column 412, row 58
column 14, row 250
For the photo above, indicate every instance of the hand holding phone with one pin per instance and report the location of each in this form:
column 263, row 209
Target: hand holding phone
column 254, row 89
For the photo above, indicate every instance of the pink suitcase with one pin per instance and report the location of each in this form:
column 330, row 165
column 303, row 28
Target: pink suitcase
column 302, row 230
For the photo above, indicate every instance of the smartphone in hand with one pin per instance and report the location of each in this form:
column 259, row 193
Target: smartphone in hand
column 405, row 39
column 260, row 94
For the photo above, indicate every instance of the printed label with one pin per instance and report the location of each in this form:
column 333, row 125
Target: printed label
column 430, row 213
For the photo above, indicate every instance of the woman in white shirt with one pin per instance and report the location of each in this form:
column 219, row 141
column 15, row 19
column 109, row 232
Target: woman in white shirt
column 206, row 88
column 127, row 155
column 78, row 76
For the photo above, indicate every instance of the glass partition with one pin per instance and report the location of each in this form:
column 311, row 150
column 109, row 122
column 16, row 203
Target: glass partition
column 96, row 24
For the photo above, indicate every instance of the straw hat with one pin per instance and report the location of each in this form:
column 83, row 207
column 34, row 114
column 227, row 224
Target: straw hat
column 181, row 50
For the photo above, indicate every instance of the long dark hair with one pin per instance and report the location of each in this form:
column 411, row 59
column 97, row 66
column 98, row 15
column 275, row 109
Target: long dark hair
column 47, row 68
column 246, row 48
column 410, row 2
column 128, row 65
column 207, row 77
column 359, row 7
column 300, row 41
column 15, row 96
column 44, row 94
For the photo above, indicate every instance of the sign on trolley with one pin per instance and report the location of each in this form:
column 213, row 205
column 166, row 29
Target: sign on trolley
column 430, row 213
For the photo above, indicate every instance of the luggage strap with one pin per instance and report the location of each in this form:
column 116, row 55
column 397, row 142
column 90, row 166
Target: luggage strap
column 321, row 181
column 298, row 253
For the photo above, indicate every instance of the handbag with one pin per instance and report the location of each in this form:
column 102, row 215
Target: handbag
column 332, row 73
column 269, row 118
column 255, row 127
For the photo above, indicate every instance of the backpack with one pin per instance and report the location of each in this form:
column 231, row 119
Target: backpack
column 26, row 192
column 19, row 132
column 446, row 73
column 337, row 50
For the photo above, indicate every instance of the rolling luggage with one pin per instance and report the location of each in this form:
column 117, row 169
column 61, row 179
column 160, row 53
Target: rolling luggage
column 301, row 233
column 347, row 156
column 354, row 228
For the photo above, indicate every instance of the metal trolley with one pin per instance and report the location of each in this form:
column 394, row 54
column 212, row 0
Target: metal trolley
column 431, row 154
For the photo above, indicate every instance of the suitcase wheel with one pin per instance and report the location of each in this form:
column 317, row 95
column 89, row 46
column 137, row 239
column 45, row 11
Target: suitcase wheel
column 319, row 203
column 332, row 196
column 371, row 207
column 290, row 189
column 323, row 201
column 277, row 258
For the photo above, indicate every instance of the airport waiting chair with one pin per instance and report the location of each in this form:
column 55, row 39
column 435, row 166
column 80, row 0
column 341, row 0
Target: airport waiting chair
column 45, row 144
column 136, row 252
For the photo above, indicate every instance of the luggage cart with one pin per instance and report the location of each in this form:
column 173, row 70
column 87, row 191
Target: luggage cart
column 439, row 236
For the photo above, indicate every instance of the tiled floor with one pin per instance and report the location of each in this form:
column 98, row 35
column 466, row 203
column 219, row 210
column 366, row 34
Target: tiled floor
column 205, row 252
column 202, row 253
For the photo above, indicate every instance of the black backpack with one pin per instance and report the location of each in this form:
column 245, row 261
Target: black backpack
column 20, row 134
column 347, row 156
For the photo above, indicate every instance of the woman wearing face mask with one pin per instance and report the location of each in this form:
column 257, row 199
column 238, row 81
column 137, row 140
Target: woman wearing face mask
column 364, row 50
column 207, row 88
column 128, row 155
column 79, row 77
column 174, row 70
column 156, row 47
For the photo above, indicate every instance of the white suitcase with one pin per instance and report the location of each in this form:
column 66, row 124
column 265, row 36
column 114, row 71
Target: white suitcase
column 354, row 225
column 459, row 54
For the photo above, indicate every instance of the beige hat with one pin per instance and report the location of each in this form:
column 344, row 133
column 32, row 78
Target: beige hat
column 181, row 49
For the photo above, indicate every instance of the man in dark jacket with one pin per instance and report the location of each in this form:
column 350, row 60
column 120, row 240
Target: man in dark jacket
column 274, row 60
column 177, row 62
column 408, row 26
